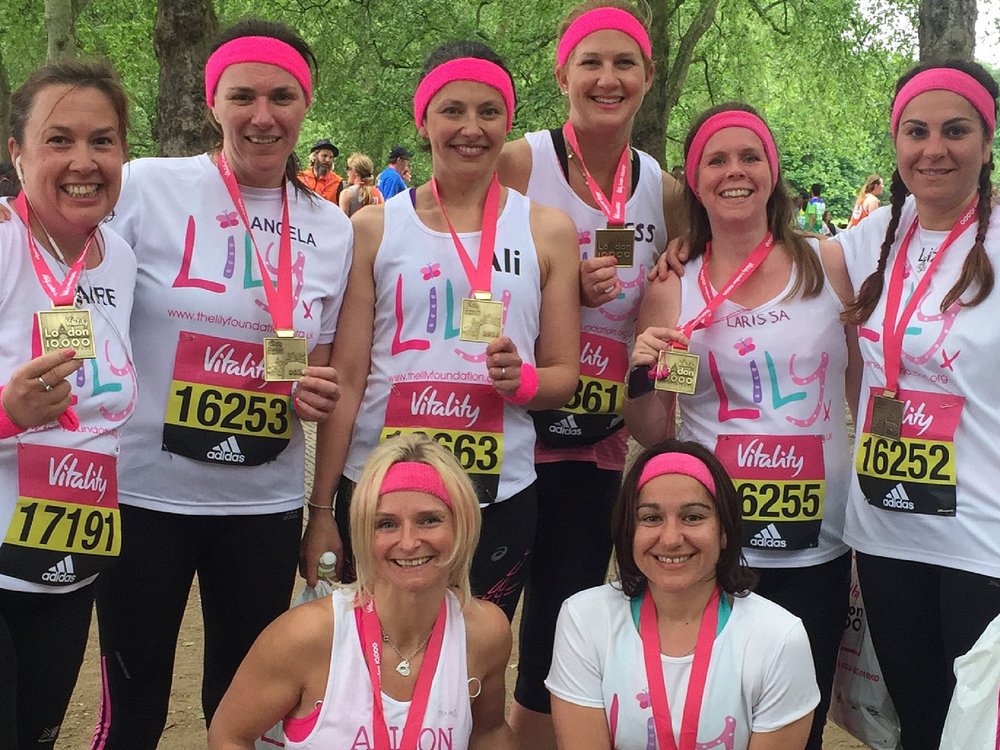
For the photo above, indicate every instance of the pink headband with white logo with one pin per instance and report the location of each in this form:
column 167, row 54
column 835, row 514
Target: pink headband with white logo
column 464, row 69
column 603, row 19
column 258, row 49
column 947, row 79
column 677, row 463
column 414, row 476
column 732, row 118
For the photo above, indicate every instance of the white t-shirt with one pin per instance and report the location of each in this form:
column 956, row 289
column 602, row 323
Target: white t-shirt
column 200, row 319
column 760, row 678
column 345, row 718
column 104, row 390
column 948, row 359
column 770, row 402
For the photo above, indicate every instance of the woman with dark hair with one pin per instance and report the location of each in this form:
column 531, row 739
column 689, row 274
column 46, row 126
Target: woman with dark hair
column 415, row 519
column 241, row 273
column 621, row 203
column 679, row 615
column 749, row 345
column 66, row 287
column 867, row 201
column 923, row 514
column 460, row 316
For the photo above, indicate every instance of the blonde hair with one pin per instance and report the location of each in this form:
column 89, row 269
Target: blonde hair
column 364, row 168
column 465, row 510
column 871, row 183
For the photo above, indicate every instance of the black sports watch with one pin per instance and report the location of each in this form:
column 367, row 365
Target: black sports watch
column 639, row 383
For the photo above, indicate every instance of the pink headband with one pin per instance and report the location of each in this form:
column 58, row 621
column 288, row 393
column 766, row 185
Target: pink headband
column 677, row 463
column 258, row 49
column 414, row 476
column 603, row 19
column 463, row 69
column 732, row 118
column 946, row 79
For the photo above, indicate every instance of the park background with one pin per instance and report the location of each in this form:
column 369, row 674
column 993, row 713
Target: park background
column 820, row 71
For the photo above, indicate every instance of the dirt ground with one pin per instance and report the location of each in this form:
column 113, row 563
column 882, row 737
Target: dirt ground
column 185, row 723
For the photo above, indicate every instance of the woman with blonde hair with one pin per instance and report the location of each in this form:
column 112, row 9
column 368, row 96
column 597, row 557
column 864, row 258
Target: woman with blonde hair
column 361, row 190
column 415, row 523
column 867, row 199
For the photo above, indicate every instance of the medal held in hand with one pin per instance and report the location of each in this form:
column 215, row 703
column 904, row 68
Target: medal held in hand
column 482, row 319
column 682, row 372
column 618, row 242
column 285, row 357
column 67, row 328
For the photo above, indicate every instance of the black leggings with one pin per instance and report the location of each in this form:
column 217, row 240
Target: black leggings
column 246, row 570
column 921, row 618
column 500, row 564
column 42, row 640
column 819, row 596
column 571, row 553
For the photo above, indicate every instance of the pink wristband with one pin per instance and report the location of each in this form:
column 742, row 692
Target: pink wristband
column 7, row 426
column 528, row 387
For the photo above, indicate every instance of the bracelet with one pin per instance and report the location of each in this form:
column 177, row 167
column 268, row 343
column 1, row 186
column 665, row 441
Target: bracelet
column 311, row 504
column 8, row 427
column 528, row 387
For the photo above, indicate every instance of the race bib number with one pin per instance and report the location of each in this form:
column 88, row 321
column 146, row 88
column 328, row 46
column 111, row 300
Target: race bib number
column 915, row 474
column 781, row 481
column 220, row 409
column 465, row 419
column 595, row 410
column 66, row 525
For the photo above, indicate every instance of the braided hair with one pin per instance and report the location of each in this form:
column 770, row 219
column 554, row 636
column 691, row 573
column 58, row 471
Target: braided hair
column 977, row 270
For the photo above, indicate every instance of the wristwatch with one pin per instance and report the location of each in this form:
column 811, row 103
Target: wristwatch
column 639, row 383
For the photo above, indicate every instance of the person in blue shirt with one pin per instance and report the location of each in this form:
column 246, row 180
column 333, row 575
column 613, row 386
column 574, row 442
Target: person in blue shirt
column 390, row 180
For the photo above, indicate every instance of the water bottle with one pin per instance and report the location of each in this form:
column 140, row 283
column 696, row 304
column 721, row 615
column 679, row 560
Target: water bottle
column 327, row 568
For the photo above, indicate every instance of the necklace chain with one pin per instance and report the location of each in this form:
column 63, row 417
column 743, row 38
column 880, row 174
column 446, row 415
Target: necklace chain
column 404, row 665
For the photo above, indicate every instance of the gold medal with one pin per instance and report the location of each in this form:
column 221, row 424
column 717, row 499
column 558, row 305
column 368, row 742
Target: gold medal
column 682, row 369
column 887, row 417
column 67, row 328
column 482, row 320
column 285, row 357
column 616, row 241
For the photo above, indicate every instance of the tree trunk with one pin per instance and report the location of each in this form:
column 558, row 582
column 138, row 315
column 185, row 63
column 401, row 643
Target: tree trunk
column 185, row 30
column 672, row 58
column 60, row 27
column 4, row 107
column 947, row 29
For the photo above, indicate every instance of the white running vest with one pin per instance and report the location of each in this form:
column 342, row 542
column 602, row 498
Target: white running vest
column 423, row 377
column 607, row 331
column 345, row 718
column 770, row 403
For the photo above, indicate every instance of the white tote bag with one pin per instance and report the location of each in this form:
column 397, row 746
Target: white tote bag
column 861, row 704
column 974, row 715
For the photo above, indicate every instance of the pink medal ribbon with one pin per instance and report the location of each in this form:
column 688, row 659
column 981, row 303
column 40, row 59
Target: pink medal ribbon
column 280, row 299
column 893, row 330
column 479, row 274
column 62, row 293
column 370, row 634
column 756, row 258
column 613, row 210
column 649, row 632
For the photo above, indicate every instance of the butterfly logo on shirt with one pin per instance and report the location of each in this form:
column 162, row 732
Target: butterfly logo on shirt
column 430, row 271
column 744, row 346
column 227, row 219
